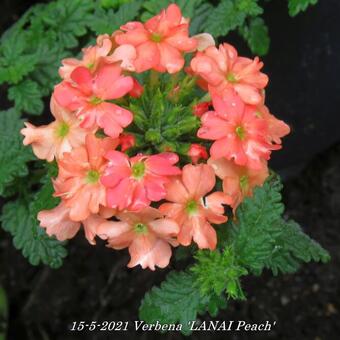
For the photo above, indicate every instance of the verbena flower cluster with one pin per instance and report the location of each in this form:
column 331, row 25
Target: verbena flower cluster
column 150, row 202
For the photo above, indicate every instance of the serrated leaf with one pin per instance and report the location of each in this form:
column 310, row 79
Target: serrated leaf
column 69, row 19
column 153, row 7
column 13, row 155
column 19, row 218
column 198, row 19
column 177, row 300
column 256, row 35
column 297, row 6
column 27, row 97
column 261, row 238
column 292, row 247
column 109, row 21
column 250, row 7
column 224, row 18
column 218, row 271
column 257, row 225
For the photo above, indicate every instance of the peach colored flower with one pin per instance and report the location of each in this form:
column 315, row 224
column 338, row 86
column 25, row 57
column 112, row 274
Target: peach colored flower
column 78, row 181
column 57, row 223
column 238, row 181
column 160, row 42
column 192, row 209
column 197, row 152
column 223, row 69
column 92, row 56
column 134, row 182
column 204, row 40
column 147, row 234
column 276, row 127
column 52, row 140
column 237, row 132
column 89, row 96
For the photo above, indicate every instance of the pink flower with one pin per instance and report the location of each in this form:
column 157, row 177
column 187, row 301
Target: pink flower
column 78, row 181
column 276, row 127
column 92, row 56
column 192, row 209
column 196, row 152
column 137, row 89
column 238, row 181
column 204, row 40
column 126, row 141
column 160, row 42
column 52, row 140
column 133, row 183
column 237, row 132
column 57, row 223
column 89, row 95
column 147, row 234
column 223, row 69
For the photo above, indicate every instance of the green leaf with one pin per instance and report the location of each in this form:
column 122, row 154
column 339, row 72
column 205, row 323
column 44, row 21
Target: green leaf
column 256, row 35
column 178, row 300
column 15, row 63
column 69, row 20
column 13, row 155
column 261, row 238
column 250, row 7
column 224, row 18
column 19, row 218
column 218, row 271
column 292, row 247
column 297, row 6
column 3, row 313
column 153, row 7
column 108, row 21
column 27, row 97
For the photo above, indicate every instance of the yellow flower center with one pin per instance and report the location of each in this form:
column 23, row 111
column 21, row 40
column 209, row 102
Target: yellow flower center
column 62, row 129
column 140, row 228
column 241, row 133
column 138, row 170
column 96, row 100
column 155, row 37
column 231, row 78
column 244, row 182
column 191, row 207
column 92, row 176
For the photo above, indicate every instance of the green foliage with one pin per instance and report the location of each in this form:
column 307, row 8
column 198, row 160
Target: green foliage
column 256, row 35
column 27, row 97
column 262, row 238
column 13, row 155
column 178, row 300
column 218, row 271
column 297, row 6
column 109, row 21
column 292, row 247
column 3, row 313
column 19, row 218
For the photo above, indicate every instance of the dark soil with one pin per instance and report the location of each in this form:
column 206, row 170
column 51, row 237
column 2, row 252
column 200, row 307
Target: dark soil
column 94, row 283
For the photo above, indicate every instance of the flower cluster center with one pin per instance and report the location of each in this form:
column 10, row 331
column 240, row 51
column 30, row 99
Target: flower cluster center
column 244, row 181
column 231, row 78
